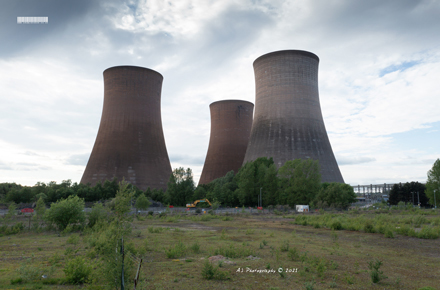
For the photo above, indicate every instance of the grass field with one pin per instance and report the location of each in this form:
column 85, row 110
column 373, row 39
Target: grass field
column 175, row 250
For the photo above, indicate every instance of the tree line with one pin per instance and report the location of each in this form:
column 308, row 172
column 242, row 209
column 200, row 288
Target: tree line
column 296, row 182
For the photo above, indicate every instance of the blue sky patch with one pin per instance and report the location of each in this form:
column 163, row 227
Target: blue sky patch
column 398, row 67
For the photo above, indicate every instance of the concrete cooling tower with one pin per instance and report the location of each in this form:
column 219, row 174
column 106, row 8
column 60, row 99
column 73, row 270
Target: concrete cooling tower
column 288, row 122
column 130, row 143
column 231, row 123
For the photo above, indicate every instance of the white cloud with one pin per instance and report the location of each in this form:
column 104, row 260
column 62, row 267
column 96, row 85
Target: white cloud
column 379, row 65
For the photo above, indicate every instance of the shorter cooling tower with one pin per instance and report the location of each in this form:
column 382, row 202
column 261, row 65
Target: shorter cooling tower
column 231, row 123
column 130, row 143
column 288, row 122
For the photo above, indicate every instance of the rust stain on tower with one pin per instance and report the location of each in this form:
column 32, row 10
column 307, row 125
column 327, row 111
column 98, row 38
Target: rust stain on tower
column 231, row 123
column 288, row 122
column 130, row 143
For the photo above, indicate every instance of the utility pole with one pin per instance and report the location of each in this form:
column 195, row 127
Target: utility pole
column 435, row 202
column 261, row 198
column 418, row 199
column 412, row 197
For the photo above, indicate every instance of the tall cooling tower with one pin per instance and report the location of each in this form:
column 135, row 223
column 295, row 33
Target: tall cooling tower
column 231, row 123
column 288, row 122
column 130, row 143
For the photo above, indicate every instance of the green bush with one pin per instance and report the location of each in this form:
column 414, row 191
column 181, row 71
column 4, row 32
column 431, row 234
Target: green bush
column 293, row 254
column 195, row 247
column 98, row 214
column 368, row 227
column 375, row 274
column 285, row 246
column 77, row 271
column 175, row 252
column 210, row 272
column 336, row 225
column 28, row 272
column 389, row 234
column 428, row 233
column 66, row 211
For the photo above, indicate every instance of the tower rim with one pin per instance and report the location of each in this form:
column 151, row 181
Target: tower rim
column 131, row 67
column 231, row 101
column 287, row 51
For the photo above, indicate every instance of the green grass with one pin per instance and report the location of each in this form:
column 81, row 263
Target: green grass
column 324, row 258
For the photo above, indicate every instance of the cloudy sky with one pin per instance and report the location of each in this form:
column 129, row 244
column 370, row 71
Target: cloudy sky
column 379, row 77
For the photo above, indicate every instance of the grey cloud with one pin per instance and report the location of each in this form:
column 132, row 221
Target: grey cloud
column 4, row 166
column 186, row 159
column 22, row 37
column 78, row 159
column 343, row 160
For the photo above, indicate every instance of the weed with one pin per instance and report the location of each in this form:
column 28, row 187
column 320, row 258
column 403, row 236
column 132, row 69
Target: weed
column 368, row 227
column 336, row 225
column 375, row 274
column 268, row 266
column 349, row 279
column 77, row 271
column 333, row 283
column 293, row 254
column 195, row 247
column 249, row 232
column 334, row 265
column 285, row 246
column 155, row 230
column 389, row 234
column 223, row 235
column 281, row 272
column 321, row 268
column 261, row 246
column 175, row 252
column 334, row 236
column 428, row 233
column 210, row 272
column 264, row 243
column 16, row 281
column 233, row 251
column 40, row 249
column 310, row 285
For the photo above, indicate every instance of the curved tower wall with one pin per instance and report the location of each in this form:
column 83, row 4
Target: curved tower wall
column 130, row 143
column 288, row 122
column 231, row 123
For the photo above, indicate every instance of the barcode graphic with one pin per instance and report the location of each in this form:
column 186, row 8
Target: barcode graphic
column 32, row 20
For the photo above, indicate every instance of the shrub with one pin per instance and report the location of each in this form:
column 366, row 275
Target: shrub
column 195, row 247
column 389, row 234
column 150, row 212
column 198, row 210
column 285, row 246
column 66, row 211
column 375, row 274
column 293, row 254
column 77, row 271
column 210, row 272
column 97, row 214
column 336, row 225
column 175, row 252
column 428, row 233
column 28, row 272
column 368, row 227
column 73, row 239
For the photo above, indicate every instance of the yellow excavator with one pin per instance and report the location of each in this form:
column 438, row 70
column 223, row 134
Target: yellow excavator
column 194, row 204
